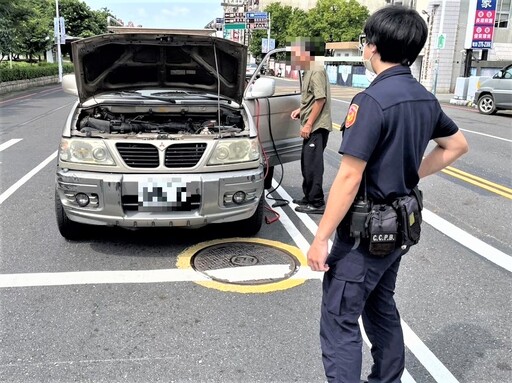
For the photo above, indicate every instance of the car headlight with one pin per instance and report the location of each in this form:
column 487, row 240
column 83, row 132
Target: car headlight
column 234, row 151
column 85, row 151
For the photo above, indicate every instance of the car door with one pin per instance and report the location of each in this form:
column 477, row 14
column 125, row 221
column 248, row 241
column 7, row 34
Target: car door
column 279, row 134
column 503, row 89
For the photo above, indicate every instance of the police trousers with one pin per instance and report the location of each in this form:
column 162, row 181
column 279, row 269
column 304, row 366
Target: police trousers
column 312, row 166
column 359, row 284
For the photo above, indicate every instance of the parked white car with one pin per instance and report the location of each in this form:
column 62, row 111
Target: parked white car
column 165, row 134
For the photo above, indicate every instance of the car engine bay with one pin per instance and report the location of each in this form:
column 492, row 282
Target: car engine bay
column 103, row 121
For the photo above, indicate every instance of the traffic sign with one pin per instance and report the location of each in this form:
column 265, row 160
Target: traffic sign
column 267, row 45
column 234, row 17
column 234, row 26
column 256, row 20
column 441, row 41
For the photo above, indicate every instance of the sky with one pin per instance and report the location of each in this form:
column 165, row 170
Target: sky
column 189, row 14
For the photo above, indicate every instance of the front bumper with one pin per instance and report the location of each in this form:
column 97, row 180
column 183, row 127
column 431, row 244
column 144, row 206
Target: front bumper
column 188, row 200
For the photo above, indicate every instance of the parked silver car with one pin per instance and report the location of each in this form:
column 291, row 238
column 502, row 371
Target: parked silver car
column 165, row 133
column 495, row 93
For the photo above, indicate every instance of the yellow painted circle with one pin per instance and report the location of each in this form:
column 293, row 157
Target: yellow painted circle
column 185, row 260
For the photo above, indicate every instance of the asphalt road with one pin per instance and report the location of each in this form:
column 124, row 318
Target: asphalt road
column 118, row 307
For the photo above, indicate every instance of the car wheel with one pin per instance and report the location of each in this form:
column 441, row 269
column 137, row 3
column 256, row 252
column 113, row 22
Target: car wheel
column 250, row 226
column 68, row 228
column 486, row 104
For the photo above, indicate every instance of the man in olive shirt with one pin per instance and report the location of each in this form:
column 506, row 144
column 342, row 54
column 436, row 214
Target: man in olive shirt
column 315, row 121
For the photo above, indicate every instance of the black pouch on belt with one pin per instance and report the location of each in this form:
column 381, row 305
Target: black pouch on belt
column 409, row 209
column 383, row 230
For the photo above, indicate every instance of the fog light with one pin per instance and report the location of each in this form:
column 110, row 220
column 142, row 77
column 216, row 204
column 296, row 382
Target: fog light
column 239, row 197
column 82, row 199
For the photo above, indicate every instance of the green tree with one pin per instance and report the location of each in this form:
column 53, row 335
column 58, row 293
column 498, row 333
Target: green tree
column 333, row 20
column 33, row 33
column 281, row 18
column 26, row 26
column 80, row 20
column 12, row 16
column 339, row 20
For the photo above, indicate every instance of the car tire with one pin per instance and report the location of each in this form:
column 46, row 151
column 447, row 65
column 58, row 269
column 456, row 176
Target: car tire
column 68, row 229
column 486, row 104
column 250, row 226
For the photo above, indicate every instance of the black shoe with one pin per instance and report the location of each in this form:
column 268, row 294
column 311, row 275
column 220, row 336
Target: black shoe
column 300, row 202
column 311, row 209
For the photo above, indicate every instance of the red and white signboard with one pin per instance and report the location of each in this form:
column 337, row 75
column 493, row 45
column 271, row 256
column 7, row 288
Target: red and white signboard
column 481, row 18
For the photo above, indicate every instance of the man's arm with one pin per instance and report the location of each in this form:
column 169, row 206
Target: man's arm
column 448, row 149
column 305, row 131
column 341, row 195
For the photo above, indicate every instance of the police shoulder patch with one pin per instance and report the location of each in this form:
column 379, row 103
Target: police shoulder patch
column 351, row 115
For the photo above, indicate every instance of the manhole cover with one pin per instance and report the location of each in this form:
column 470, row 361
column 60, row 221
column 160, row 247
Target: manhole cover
column 245, row 263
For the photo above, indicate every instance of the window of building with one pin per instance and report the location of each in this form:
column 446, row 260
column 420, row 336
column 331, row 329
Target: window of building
column 502, row 13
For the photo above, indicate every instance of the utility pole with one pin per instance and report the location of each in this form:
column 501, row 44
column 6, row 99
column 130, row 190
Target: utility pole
column 268, row 34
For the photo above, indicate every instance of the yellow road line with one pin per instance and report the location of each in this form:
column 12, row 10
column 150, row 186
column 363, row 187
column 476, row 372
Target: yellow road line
column 467, row 177
column 487, row 185
column 478, row 179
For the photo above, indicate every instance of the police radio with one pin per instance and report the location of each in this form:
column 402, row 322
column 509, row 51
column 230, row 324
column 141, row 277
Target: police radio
column 359, row 212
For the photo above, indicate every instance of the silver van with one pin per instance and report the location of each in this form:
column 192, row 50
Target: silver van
column 166, row 132
column 495, row 93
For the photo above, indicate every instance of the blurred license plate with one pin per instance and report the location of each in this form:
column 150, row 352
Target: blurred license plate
column 168, row 194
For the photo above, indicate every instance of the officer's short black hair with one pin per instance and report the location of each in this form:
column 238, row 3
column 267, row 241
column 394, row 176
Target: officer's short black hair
column 399, row 33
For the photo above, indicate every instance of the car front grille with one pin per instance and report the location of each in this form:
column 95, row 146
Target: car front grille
column 184, row 155
column 138, row 155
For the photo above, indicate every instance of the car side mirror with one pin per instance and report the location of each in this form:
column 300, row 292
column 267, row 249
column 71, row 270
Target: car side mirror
column 69, row 84
column 262, row 87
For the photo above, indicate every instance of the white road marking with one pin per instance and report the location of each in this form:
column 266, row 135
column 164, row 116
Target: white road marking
column 100, row 277
column 426, row 357
column 46, row 114
column 465, row 239
column 9, row 143
column 486, row 135
column 47, row 91
column 412, row 341
column 6, row 194
column 249, row 273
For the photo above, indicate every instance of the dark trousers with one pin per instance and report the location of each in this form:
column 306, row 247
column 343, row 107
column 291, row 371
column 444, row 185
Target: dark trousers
column 312, row 166
column 356, row 284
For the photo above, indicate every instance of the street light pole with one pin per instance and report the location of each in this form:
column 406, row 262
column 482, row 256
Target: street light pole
column 59, row 58
column 268, row 34
column 438, row 48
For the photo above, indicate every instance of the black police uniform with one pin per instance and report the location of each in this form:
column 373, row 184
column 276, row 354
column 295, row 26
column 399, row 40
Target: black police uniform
column 389, row 126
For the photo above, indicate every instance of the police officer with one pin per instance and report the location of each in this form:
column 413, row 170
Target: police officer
column 387, row 129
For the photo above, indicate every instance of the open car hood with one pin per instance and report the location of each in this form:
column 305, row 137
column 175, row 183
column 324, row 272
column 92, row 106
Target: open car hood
column 130, row 61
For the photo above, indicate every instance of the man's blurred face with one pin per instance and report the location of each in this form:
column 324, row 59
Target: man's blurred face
column 300, row 58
